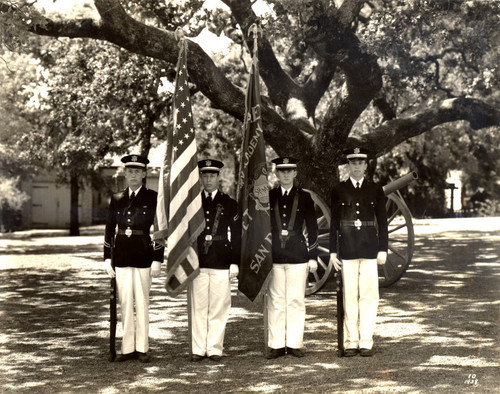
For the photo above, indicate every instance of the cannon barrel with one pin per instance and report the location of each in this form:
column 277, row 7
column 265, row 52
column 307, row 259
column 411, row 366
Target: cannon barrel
column 400, row 183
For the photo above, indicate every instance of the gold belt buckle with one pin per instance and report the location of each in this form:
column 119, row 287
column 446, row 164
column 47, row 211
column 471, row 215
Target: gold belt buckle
column 284, row 233
column 128, row 232
column 357, row 223
column 208, row 237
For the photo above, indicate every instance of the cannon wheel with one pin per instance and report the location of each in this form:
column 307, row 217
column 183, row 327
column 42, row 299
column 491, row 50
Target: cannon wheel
column 401, row 243
column 317, row 280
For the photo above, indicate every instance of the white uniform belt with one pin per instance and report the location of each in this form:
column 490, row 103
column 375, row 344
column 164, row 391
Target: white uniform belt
column 357, row 223
column 128, row 232
column 215, row 237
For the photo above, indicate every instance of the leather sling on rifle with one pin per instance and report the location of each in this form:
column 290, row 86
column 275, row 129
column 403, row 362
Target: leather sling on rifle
column 285, row 234
column 212, row 237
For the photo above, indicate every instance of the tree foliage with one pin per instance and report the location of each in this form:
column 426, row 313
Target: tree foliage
column 336, row 73
column 88, row 99
column 81, row 101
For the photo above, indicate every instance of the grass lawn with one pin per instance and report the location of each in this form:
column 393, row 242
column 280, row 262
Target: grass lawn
column 437, row 328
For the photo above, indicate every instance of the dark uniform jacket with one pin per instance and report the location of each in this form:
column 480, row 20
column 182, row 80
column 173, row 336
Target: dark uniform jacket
column 296, row 249
column 220, row 252
column 366, row 204
column 137, row 216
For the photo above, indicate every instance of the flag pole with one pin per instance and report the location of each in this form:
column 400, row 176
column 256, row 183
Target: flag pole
column 179, row 36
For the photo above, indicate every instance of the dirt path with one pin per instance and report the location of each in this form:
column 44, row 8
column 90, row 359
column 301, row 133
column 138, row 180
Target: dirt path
column 437, row 328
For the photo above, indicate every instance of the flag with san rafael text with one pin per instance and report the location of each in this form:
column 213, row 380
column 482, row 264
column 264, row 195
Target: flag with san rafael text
column 253, row 196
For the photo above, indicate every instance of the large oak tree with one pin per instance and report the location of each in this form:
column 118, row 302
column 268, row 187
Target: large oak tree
column 336, row 73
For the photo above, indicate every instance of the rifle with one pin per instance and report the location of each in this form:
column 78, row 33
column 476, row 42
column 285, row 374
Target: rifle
column 112, row 307
column 340, row 308
column 340, row 314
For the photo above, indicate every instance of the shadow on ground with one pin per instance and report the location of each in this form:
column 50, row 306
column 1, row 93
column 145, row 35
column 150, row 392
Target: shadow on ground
column 437, row 330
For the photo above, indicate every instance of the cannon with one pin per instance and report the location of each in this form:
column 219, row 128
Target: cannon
column 401, row 237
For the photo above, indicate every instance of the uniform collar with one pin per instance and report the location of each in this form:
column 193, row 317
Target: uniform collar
column 283, row 190
column 136, row 192
column 354, row 181
column 214, row 193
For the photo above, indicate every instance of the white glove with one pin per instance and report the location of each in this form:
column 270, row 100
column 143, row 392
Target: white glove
column 234, row 270
column 312, row 266
column 381, row 258
column 109, row 269
column 155, row 269
column 335, row 261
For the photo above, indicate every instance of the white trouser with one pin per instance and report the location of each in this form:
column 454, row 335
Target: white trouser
column 360, row 278
column 286, row 307
column 210, row 304
column 133, row 285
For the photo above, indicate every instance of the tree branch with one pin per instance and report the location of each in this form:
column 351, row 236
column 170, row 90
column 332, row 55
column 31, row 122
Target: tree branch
column 363, row 82
column 317, row 84
column 297, row 101
column 139, row 38
column 117, row 27
column 387, row 110
column 434, row 59
column 349, row 11
column 391, row 133
column 329, row 32
column 279, row 84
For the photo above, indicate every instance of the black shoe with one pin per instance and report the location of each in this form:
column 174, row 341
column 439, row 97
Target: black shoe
column 350, row 352
column 366, row 352
column 125, row 357
column 275, row 353
column 196, row 358
column 143, row 357
column 295, row 352
column 215, row 358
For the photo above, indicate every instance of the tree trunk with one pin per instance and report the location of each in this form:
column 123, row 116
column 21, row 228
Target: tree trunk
column 74, row 225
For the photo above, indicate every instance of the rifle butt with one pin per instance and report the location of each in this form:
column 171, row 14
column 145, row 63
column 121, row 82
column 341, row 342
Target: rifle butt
column 112, row 320
column 112, row 308
column 340, row 315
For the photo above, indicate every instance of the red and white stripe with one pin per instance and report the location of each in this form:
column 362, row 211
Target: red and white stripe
column 179, row 210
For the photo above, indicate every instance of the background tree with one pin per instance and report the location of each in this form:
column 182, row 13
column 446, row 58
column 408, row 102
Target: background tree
column 15, row 165
column 86, row 100
column 336, row 73
column 101, row 100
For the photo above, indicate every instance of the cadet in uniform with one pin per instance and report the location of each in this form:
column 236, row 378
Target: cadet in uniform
column 359, row 228
column 291, row 208
column 136, row 257
column 219, row 258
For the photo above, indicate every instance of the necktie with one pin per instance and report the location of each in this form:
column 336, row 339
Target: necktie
column 132, row 196
column 286, row 193
column 209, row 198
column 357, row 185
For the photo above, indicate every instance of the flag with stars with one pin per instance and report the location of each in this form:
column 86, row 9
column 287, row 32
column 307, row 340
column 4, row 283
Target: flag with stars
column 253, row 196
column 179, row 213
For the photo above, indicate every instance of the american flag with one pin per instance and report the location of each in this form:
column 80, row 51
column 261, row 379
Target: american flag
column 179, row 213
